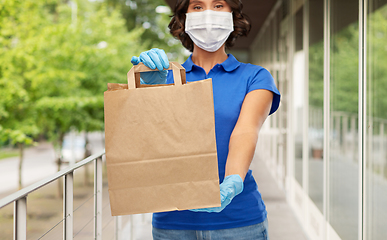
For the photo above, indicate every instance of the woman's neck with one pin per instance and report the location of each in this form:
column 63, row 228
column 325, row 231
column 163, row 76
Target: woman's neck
column 207, row 60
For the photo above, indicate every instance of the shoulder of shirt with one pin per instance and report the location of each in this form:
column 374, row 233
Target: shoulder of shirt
column 252, row 68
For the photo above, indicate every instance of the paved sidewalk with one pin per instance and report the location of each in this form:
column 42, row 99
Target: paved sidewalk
column 283, row 224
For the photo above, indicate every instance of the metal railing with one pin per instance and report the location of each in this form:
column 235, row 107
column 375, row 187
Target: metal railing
column 19, row 199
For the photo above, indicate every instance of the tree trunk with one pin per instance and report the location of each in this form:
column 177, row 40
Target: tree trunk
column 87, row 154
column 21, row 156
column 59, row 163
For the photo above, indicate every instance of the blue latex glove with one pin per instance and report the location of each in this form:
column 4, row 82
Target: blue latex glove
column 231, row 186
column 154, row 58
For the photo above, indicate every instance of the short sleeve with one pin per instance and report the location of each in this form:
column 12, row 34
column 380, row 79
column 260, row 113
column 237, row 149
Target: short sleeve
column 264, row 80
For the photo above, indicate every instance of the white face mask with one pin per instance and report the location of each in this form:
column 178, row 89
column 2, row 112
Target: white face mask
column 209, row 29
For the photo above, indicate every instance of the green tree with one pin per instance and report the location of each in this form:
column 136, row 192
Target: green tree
column 153, row 16
column 91, row 51
column 58, row 56
column 54, row 67
column 16, row 112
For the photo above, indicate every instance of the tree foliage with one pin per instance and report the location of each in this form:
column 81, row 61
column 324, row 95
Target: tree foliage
column 142, row 13
column 376, row 67
column 57, row 57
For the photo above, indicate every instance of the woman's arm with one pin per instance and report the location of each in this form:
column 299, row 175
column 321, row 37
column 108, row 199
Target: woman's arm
column 255, row 109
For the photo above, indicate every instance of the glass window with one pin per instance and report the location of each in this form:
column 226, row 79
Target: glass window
column 316, row 104
column 298, row 93
column 343, row 154
column 376, row 135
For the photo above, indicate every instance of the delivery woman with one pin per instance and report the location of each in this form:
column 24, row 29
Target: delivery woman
column 244, row 95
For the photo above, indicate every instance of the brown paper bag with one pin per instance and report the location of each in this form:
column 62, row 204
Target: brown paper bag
column 160, row 145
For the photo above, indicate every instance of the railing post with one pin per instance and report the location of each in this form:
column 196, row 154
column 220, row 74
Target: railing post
column 118, row 227
column 20, row 219
column 98, row 198
column 19, row 199
column 68, row 206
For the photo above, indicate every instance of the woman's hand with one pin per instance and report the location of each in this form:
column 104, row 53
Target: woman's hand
column 154, row 58
column 230, row 187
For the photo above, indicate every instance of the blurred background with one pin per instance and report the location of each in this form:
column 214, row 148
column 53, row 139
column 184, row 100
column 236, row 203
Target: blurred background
column 325, row 147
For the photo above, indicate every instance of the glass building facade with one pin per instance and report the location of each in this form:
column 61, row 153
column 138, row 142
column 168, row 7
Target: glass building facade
column 327, row 144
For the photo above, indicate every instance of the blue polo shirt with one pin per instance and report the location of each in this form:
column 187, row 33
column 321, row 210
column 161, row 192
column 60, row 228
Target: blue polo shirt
column 231, row 81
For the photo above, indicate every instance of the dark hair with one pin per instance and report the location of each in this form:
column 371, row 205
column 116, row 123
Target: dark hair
column 242, row 24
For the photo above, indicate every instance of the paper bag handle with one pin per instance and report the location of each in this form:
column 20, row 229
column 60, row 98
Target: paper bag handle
column 134, row 74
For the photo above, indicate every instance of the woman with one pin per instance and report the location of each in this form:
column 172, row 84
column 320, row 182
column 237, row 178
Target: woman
column 244, row 95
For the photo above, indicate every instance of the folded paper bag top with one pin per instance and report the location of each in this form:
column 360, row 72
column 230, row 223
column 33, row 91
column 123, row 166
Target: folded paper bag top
column 160, row 145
